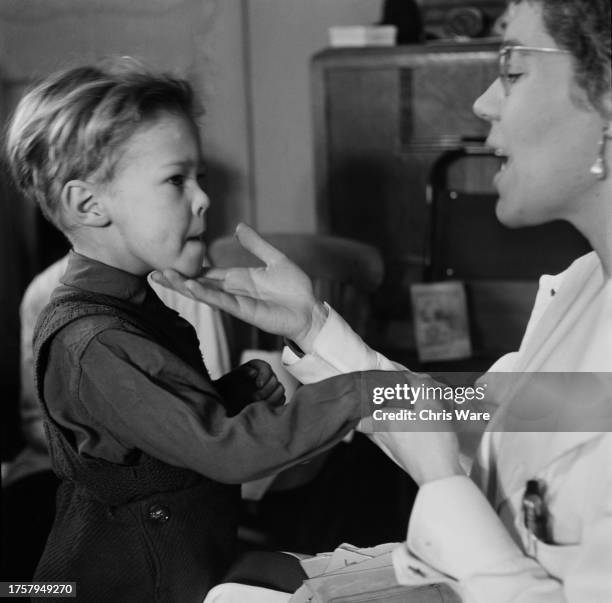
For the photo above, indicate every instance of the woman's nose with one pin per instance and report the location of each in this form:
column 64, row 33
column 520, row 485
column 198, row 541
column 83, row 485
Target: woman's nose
column 486, row 105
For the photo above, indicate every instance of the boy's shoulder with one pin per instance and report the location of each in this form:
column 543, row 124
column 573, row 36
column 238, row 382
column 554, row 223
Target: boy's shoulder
column 86, row 328
column 74, row 321
column 76, row 336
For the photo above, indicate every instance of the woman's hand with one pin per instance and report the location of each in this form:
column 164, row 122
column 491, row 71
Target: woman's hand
column 426, row 456
column 424, row 445
column 277, row 298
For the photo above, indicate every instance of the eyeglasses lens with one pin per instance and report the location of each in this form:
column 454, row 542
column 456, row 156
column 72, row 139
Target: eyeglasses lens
column 504, row 67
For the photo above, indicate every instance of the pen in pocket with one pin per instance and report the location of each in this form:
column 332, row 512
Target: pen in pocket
column 534, row 515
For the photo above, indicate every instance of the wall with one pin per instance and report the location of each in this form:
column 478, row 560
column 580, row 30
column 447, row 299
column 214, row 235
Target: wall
column 249, row 58
column 282, row 36
column 202, row 39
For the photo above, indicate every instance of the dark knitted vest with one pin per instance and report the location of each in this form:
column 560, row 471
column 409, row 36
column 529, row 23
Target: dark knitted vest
column 147, row 531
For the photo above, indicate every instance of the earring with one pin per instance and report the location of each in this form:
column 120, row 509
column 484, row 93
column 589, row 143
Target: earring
column 598, row 169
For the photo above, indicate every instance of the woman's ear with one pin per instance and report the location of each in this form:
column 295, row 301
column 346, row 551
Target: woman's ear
column 82, row 204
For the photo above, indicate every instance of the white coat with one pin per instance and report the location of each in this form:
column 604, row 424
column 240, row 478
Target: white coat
column 473, row 528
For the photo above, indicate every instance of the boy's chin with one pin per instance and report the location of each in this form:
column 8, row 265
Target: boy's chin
column 191, row 273
column 188, row 263
column 189, row 269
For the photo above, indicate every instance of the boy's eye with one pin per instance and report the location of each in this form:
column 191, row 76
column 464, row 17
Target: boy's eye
column 177, row 180
column 201, row 178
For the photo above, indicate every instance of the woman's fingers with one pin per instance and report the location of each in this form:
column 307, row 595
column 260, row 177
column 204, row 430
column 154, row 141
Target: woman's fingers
column 159, row 278
column 204, row 289
column 213, row 296
column 213, row 274
column 259, row 247
column 237, row 281
column 175, row 281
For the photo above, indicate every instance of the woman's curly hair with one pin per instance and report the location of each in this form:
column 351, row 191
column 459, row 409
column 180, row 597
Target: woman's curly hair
column 583, row 28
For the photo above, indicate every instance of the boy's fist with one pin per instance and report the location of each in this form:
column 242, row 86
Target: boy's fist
column 252, row 381
column 267, row 387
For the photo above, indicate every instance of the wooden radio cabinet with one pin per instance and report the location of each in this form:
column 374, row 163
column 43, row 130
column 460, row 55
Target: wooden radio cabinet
column 382, row 117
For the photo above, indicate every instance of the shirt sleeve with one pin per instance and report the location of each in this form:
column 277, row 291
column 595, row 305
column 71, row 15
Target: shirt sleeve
column 337, row 349
column 135, row 395
column 454, row 529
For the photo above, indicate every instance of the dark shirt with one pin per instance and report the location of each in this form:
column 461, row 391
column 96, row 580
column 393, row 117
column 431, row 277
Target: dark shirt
column 133, row 394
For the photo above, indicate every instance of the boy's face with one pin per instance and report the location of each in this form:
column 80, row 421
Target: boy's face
column 155, row 201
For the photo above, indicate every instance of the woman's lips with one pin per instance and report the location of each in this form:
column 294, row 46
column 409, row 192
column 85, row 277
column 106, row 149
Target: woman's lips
column 504, row 161
column 502, row 156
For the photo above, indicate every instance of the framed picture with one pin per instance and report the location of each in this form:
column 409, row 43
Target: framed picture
column 441, row 321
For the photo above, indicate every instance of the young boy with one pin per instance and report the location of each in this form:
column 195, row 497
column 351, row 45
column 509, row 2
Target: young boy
column 146, row 445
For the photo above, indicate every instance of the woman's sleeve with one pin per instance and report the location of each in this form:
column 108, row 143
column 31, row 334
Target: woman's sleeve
column 454, row 529
column 336, row 350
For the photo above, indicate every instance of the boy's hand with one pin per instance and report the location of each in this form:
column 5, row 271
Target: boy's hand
column 253, row 381
column 277, row 298
column 267, row 387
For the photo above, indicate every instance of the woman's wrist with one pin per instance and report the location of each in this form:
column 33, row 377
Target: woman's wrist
column 318, row 317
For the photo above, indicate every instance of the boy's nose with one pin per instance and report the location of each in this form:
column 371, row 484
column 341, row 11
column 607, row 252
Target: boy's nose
column 200, row 202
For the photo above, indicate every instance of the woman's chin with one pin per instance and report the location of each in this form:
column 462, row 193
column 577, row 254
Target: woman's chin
column 515, row 216
column 507, row 214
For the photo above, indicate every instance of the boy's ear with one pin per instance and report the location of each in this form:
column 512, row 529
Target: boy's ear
column 82, row 204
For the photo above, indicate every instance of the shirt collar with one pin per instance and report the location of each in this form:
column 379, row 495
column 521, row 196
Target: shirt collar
column 91, row 275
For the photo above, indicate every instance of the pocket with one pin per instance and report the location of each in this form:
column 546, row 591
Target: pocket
column 556, row 558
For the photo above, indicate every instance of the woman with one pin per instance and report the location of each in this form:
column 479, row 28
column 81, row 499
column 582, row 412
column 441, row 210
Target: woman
column 550, row 112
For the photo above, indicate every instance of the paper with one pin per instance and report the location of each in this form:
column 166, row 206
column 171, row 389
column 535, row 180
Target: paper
column 350, row 572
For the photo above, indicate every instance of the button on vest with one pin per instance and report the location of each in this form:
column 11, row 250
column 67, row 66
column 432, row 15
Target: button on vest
column 159, row 513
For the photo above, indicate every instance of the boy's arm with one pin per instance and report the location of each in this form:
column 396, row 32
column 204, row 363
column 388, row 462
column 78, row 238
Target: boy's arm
column 252, row 381
column 156, row 403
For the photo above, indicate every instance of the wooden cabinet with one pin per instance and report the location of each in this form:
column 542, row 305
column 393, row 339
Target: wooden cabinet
column 382, row 117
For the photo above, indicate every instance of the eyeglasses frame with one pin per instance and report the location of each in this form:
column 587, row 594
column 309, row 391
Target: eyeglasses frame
column 505, row 51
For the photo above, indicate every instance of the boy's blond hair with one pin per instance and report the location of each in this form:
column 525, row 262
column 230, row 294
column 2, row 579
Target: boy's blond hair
column 74, row 124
